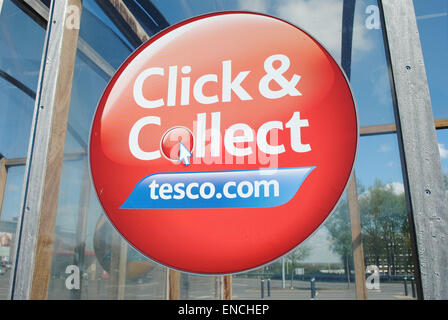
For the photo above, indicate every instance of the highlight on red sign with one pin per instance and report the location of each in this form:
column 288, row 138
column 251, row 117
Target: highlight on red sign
column 223, row 142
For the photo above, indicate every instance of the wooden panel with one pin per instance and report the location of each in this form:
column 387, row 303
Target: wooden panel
column 173, row 284
column 378, row 129
column 358, row 254
column 130, row 19
column 441, row 123
column 227, row 288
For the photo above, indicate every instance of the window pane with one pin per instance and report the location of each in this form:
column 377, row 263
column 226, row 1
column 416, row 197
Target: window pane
column 111, row 269
column 432, row 21
column 369, row 76
column 20, row 57
column 442, row 136
column 385, row 224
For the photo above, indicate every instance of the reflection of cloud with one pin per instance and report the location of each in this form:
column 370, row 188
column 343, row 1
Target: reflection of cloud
column 323, row 19
column 396, row 187
column 443, row 151
column 320, row 251
column 253, row 5
column 13, row 187
column 384, row 148
column 390, row 164
column 432, row 16
column 381, row 85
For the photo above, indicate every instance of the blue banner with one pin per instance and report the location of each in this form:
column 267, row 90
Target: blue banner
column 217, row 189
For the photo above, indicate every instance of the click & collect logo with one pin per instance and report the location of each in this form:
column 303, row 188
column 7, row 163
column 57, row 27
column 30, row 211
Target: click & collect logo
column 223, row 142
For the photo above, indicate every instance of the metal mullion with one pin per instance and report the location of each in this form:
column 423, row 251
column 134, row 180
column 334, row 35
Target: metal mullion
column 421, row 164
column 35, row 9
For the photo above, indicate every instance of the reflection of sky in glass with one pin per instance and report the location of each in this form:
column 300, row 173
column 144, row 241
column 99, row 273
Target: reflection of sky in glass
column 378, row 158
column 369, row 77
column 20, row 55
column 323, row 20
column 442, row 136
column 13, row 192
column 432, row 21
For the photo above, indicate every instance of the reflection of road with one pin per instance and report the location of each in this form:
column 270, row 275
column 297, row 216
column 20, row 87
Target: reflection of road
column 251, row 289
column 4, row 285
column 205, row 288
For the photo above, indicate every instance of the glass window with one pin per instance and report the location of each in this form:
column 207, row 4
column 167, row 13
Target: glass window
column 442, row 136
column 432, row 21
column 20, row 57
column 326, row 256
column 109, row 268
column 385, row 224
column 320, row 268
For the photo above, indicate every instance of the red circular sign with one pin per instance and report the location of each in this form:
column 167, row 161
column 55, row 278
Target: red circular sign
column 275, row 133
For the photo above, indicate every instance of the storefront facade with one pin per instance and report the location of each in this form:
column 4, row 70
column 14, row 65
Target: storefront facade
column 387, row 237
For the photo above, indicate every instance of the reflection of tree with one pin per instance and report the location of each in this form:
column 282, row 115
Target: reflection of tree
column 297, row 255
column 385, row 226
column 385, row 229
column 338, row 226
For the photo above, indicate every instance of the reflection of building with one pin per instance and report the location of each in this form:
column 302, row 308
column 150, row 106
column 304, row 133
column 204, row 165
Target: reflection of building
column 7, row 231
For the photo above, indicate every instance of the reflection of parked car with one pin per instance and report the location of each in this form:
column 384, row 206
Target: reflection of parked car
column 4, row 267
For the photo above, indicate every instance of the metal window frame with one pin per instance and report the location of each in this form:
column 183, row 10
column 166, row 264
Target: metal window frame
column 422, row 170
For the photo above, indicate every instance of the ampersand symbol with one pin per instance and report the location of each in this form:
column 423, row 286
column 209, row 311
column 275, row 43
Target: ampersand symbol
column 272, row 74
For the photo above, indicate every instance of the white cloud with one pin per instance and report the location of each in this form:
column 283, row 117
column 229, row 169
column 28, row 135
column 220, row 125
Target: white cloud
column 443, row 151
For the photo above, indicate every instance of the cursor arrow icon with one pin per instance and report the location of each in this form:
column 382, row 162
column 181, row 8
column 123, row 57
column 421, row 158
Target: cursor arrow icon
column 184, row 154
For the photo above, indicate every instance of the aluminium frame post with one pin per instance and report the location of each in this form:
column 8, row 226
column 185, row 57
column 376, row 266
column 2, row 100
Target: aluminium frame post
column 422, row 169
column 30, row 275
